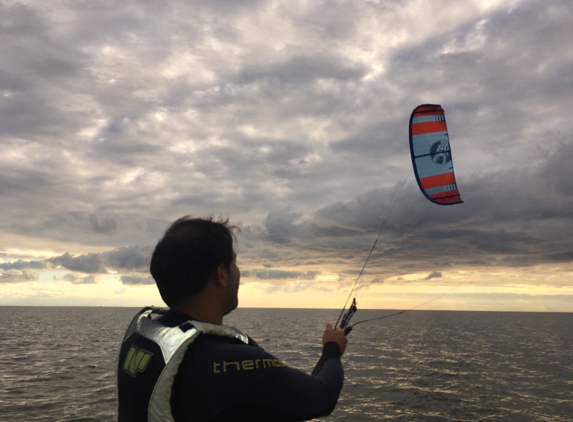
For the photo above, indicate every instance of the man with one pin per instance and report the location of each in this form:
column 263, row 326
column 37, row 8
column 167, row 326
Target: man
column 187, row 366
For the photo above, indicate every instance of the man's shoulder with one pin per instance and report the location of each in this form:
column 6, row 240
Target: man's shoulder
column 214, row 340
column 208, row 347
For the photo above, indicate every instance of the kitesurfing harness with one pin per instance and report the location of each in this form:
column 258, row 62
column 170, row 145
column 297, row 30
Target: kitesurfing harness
column 149, row 359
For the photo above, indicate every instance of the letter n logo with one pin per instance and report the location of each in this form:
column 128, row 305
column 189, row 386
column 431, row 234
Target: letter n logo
column 136, row 361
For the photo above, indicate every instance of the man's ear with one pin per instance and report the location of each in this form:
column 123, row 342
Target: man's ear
column 220, row 276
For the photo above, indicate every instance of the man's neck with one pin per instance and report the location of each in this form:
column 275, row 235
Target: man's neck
column 198, row 310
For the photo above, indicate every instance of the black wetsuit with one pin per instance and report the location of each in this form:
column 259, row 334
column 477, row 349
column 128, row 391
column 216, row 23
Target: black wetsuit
column 222, row 379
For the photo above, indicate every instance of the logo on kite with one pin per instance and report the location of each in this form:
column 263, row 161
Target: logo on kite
column 432, row 156
column 440, row 152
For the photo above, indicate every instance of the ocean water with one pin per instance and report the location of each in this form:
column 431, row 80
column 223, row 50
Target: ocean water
column 57, row 364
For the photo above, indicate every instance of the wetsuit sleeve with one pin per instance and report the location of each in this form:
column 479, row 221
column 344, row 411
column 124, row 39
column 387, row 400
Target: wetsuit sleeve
column 330, row 350
column 240, row 382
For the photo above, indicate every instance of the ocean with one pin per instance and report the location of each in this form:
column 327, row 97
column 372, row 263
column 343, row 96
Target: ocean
column 57, row 363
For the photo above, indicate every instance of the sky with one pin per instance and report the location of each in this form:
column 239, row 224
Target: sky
column 291, row 119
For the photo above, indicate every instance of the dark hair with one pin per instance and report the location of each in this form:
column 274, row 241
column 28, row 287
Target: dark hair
column 190, row 250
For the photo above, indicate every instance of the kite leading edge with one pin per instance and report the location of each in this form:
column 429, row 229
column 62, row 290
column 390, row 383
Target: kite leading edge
column 432, row 156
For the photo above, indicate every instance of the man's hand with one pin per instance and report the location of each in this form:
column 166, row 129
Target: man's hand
column 338, row 336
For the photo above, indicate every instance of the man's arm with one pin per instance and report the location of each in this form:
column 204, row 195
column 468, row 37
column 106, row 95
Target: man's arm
column 240, row 382
column 290, row 394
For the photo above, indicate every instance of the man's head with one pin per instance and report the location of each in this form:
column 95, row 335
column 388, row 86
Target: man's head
column 188, row 255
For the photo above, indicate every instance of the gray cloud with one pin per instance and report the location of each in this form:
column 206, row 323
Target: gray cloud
column 302, row 69
column 74, row 279
column 89, row 263
column 295, row 288
column 377, row 280
column 135, row 280
column 497, row 220
column 280, row 275
column 125, row 258
column 21, row 264
column 279, row 225
column 107, row 226
column 129, row 258
column 435, row 274
column 20, row 271
column 18, row 276
column 116, row 119
column 69, row 277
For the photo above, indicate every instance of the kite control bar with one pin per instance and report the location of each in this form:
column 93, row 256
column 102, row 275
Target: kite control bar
column 347, row 317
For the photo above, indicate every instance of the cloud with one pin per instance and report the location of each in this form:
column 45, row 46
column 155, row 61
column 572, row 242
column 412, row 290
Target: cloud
column 297, row 287
column 20, row 271
column 125, row 258
column 280, row 274
column 21, row 264
column 302, row 69
column 435, row 274
column 377, row 280
column 107, row 226
column 18, row 276
column 129, row 258
column 90, row 279
column 279, row 225
column 290, row 118
column 91, row 263
column 68, row 277
column 135, row 280
column 74, row 279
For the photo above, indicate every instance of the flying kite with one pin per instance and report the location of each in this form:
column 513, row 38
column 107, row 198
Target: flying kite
column 432, row 156
column 434, row 170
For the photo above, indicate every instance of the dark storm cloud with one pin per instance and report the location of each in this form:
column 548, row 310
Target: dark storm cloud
column 499, row 224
